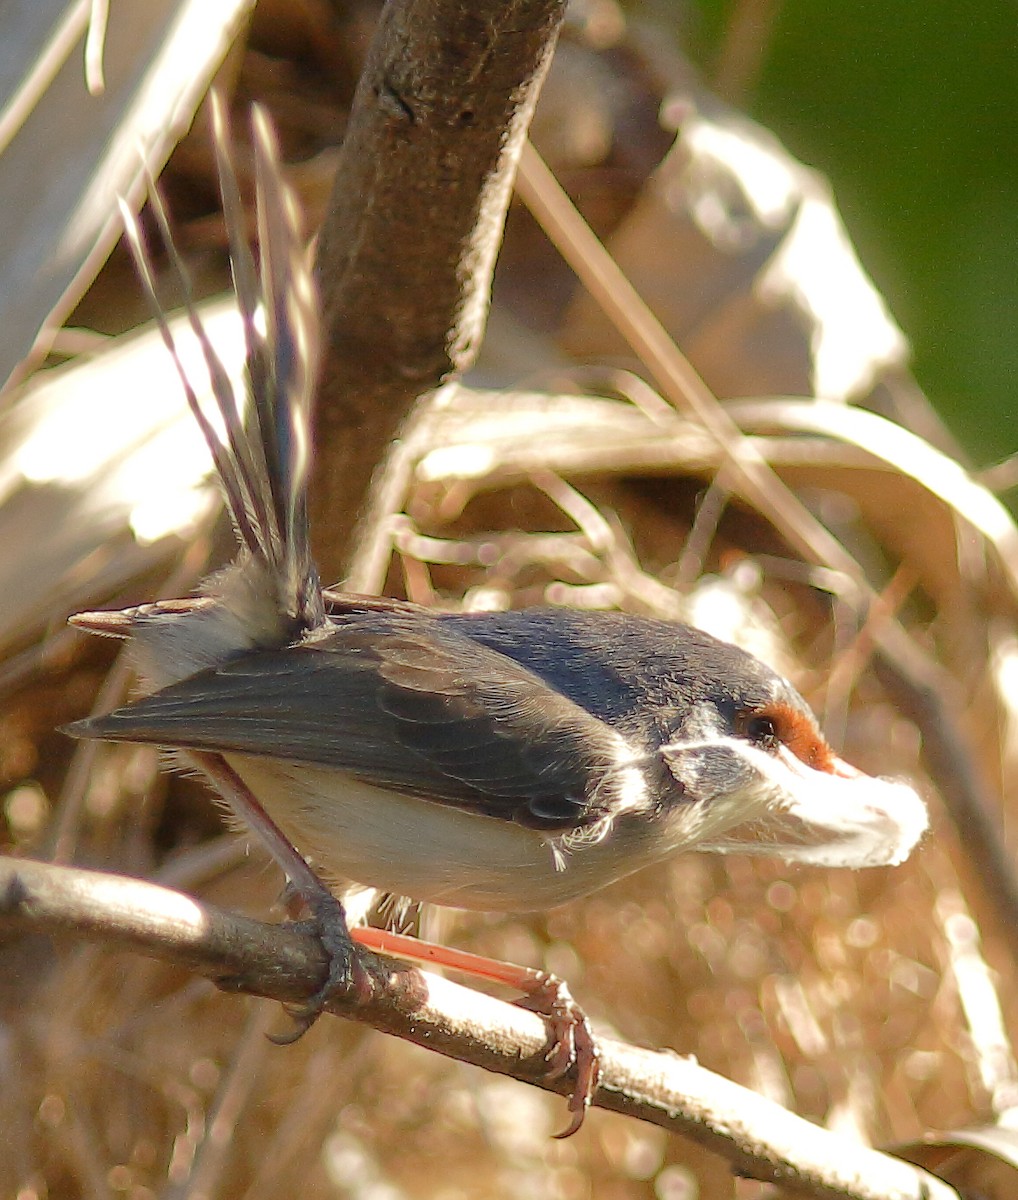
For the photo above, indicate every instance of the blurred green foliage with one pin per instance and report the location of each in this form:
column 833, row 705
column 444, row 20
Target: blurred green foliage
column 911, row 109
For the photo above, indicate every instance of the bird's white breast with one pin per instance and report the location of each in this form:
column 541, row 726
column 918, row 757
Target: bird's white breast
column 353, row 831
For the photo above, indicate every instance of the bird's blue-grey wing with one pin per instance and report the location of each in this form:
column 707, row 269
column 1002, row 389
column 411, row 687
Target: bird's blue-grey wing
column 405, row 705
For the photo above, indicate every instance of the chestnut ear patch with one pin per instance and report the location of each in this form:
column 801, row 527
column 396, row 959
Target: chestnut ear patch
column 792, row 728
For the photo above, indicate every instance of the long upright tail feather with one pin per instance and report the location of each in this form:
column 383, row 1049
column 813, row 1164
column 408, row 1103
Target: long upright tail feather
column 291, row 314
column 262, row 456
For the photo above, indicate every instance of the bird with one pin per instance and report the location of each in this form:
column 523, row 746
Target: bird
column 498, row 761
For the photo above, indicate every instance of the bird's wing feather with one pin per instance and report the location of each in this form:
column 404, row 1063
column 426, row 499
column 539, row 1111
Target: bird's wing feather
column 403, row 704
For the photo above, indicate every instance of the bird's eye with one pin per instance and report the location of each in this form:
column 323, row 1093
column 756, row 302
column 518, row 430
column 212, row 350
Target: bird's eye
column 763, row 732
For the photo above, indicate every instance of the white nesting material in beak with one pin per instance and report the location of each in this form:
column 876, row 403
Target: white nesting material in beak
column 831, row 818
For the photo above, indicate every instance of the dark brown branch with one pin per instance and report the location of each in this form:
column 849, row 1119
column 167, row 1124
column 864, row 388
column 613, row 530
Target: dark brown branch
column 928, row 695
column 415, row 221
column 759, row 1139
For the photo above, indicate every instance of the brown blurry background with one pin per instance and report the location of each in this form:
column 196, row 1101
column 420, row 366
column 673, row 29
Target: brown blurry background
column 878, row 1003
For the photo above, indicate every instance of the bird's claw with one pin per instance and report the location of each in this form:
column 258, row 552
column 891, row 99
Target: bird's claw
column 347, row 977
column 573, row 1043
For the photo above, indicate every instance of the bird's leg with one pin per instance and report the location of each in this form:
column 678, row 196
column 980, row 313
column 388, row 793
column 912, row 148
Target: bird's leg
column 573, row 1041
column 346, row 972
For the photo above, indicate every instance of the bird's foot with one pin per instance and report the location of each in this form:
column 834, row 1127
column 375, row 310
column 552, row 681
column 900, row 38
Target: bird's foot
column 573, row 1041
column 573, row 1045
column 347, row 977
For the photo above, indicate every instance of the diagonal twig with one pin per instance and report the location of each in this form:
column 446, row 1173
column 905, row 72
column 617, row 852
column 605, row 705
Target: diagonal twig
column 408, row 246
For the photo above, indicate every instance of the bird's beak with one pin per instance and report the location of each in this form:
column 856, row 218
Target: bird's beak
column 839, row 817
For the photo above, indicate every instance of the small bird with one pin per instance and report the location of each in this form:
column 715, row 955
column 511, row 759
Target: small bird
column 507, row 761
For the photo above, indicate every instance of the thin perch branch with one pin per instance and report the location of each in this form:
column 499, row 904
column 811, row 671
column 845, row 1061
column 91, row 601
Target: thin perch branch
column 759, row 1139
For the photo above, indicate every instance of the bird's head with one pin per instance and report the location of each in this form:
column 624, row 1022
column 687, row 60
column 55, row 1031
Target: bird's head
column 767, row 782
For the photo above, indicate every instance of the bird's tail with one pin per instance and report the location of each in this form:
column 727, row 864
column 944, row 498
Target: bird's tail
column 262, row 455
